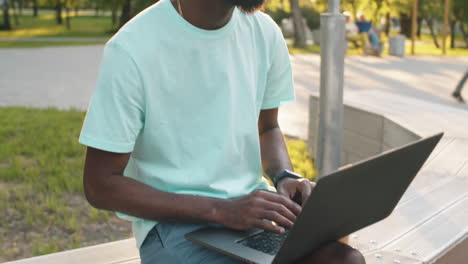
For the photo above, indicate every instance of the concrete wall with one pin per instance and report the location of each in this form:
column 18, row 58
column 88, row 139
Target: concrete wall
column 365, row 134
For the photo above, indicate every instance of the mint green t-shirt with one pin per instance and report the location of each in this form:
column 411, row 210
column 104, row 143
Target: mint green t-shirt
column 185, row 102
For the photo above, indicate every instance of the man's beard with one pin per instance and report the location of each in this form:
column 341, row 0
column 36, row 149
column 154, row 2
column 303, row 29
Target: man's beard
column 247, row 6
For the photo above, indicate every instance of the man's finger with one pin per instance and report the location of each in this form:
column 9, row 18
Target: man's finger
column 281, row 209
column 269, row 226
column 277, row 218
column 283, row 191
column 306, row 190
column 274, row 197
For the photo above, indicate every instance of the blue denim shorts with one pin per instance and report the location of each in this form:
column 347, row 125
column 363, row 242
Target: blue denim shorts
column 166, row 244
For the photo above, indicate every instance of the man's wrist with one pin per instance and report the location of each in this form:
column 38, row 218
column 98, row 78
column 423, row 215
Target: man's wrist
column 283, row 175
column 216, row 215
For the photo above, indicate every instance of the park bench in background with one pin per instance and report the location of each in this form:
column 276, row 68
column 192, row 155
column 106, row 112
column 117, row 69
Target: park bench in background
column 429, row 225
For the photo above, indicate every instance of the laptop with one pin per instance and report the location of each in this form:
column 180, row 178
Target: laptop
column 342, row 202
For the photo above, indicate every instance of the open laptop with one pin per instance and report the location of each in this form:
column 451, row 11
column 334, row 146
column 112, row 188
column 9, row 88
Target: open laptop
column 343, row 202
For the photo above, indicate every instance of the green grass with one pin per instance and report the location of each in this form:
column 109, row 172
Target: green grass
column 41, row 182
column 46, row 26
column 41, row 194
column 424, row 46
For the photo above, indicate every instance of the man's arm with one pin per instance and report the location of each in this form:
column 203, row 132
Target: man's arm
column 106, row 188
column 275, row 157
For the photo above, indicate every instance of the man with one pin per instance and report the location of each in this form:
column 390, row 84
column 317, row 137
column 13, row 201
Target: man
column 182, row 122
column 365, row 27
column 352, row 31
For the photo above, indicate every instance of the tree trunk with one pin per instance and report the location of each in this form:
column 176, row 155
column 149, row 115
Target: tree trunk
column 430, row 24
column 453, row 22
column 21, row 5
column 15, row 14
column 405, row 25
column 6, row 16
column 58, row 13
column 68, row 24
column 77, row 11
column 465, row 36
column 418, row 30
column 355, row 9
column 387, row 24
column 299, row 27
column 35, row 8
column 114, row 14
column 126, row 13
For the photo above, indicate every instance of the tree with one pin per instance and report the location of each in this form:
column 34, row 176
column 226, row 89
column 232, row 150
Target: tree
column 126, row 12
column 35, row 8
column 58, row 11
column 300, row 40
column 460, row 15
column 131, row 8
column 6, row 15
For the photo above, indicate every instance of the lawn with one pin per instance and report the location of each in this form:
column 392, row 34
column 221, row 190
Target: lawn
column 41, row 195
column 424, row 46
column 40, row 44
column 46, row 26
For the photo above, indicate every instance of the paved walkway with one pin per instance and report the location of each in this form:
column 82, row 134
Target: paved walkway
column 64, row 77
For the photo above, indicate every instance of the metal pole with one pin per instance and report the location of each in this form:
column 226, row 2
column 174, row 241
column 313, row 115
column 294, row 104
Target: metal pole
column 332, row 52
column 414, row 26
column 444, row 30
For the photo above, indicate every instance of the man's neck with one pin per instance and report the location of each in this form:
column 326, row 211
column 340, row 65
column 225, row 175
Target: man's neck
column 206, row 14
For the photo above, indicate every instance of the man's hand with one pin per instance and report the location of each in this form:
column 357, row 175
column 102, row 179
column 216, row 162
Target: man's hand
column 298, row 190
column 259, row 210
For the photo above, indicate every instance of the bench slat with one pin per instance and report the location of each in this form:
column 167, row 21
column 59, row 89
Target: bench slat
column 431, row 240
column 409, row 215
column 119, row 252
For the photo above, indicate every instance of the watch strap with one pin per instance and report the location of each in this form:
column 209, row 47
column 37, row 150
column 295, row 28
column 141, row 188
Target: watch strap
column 285, row 174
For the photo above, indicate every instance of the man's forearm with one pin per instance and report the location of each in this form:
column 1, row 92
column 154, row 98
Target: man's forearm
column 275, row 157
column 126, row 195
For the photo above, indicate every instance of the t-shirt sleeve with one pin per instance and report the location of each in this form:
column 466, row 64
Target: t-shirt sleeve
column 279, row 88
column 115, row 115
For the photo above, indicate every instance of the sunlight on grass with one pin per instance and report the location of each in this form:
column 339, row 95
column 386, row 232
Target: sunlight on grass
column 424, row 46
column 46, row 26
column 40, row 44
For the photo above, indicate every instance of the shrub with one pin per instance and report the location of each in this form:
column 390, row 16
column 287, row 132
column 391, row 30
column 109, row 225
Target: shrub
column 278, row 15
column 312, row 17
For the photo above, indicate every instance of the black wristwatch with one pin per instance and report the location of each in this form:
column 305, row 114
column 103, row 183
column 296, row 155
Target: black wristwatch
column 285, row 174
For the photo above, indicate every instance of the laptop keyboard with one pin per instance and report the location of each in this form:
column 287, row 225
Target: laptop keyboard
column 266, row 242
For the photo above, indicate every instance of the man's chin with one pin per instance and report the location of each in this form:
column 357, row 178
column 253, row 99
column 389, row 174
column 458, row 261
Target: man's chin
column 248, row 6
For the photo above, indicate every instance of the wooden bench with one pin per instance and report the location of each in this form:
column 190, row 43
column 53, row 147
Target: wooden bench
column 119, row 252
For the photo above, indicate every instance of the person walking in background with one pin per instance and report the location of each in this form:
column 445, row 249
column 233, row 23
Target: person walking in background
column 458, row 89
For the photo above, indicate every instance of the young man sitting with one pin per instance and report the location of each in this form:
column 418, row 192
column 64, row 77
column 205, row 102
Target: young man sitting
column 183, row 123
